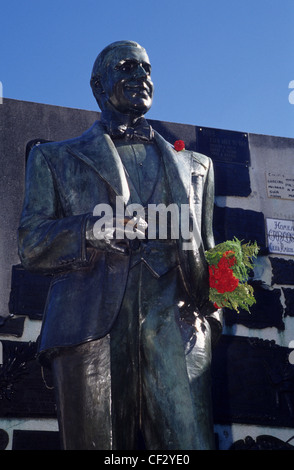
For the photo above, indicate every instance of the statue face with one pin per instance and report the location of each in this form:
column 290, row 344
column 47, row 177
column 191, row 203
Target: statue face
column 127, row 80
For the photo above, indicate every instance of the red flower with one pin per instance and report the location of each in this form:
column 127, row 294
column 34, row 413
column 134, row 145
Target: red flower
column 179, row 145
column 221, row 277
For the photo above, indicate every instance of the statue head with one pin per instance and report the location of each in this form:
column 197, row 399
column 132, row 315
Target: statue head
column 121, row 79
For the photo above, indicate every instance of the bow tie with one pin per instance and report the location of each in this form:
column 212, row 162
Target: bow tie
column 140, row 131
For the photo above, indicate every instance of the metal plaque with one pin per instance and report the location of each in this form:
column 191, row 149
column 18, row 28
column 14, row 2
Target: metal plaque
column 223, row 146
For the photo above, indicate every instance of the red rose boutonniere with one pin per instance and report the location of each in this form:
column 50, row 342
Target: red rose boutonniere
column 179, row 145
column 229, row 264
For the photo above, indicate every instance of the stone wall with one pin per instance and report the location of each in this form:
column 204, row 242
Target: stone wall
column 253, row 372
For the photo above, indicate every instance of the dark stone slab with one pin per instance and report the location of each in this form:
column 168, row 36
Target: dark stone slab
column 283, row 271
column 231, row 180
column 229, row 151
column 267, row 312
column 246, row 225
column 35, row 440
column 23, row 392
column 12, row 326
column 28, row 293
column 262, row 442
column 252, row 382
column 4, row 439
column 289, row 301
column 224, row 146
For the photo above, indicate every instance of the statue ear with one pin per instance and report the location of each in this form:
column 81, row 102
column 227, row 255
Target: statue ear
column 96, row 86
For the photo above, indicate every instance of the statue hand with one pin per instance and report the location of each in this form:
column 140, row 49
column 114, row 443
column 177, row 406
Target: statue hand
column 116, row 236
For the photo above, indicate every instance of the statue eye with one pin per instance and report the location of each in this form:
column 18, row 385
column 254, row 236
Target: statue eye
column 130, row 65
column 147, row 68
column 126, row 66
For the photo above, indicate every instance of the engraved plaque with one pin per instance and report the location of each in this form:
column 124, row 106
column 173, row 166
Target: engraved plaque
column 223, row 146
column 280, row 186
column 229, row 151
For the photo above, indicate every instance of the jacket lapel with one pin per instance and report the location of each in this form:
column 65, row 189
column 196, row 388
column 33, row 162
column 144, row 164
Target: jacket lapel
column 178, row 171
column 102, row 156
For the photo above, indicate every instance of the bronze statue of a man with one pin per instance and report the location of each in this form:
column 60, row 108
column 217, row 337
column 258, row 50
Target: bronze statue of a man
column 128, row 324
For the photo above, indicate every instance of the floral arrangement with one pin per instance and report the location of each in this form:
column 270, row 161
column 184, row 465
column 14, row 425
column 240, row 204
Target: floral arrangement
column 229, row 265
column 179, row 145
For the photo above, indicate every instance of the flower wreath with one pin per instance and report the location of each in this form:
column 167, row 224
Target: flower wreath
column 229, row 265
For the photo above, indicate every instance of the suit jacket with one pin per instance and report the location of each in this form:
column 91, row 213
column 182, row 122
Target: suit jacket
column 64, row 182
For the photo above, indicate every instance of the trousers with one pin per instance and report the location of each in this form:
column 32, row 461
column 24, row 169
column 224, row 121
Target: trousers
column 146, row 385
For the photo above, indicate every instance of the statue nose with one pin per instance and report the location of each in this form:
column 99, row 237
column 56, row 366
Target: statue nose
column 140, row 72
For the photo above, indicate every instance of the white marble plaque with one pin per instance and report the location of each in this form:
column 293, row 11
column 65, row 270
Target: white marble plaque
column 280, row 236
column 280, row 186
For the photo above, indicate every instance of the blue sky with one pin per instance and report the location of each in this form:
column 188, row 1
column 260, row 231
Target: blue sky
column 217, row 63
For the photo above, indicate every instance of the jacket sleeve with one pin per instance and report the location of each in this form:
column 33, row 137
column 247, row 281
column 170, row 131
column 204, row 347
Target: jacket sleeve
column 48, row 241
column 207, row 209
column 213, row 316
